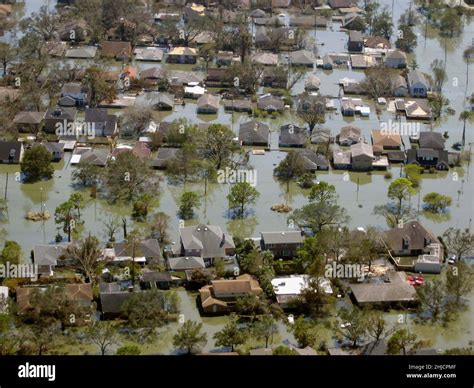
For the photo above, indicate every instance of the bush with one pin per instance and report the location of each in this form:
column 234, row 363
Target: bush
column 128, row 350
column 388, row 175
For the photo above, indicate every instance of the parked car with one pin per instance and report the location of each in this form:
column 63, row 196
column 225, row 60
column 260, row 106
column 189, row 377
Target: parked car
column 452, row 259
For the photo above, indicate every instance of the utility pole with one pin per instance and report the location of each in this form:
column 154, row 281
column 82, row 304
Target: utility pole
column 6, row 187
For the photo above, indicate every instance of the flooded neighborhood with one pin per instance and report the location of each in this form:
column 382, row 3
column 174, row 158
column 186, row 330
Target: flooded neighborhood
column 266, row 177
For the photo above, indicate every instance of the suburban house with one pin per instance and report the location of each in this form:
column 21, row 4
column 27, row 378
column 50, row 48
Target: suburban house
column 270, row 103
column 149, row 54
column 432, row 261
column 121, row 51
column 205, row 241
column 356, row 41
column 208, row 103
column 348, row 107
column 96, row 156
column 432, row 140
column 238, row 105
column 321, row 136
column 362, row 156
column 164, row 156
column 254, row 133
column 377, row 42
column 73, row 94
column 46, row 257
column 383, row 141
column 428, row 158
column 396, row 59
column 112, row 299
column 146, row 251
column 265, row 59
column 220, row 296
column 400, row 87
column 56, row 150
column 79, row 293
column 11, row 152
column 393, row 291
column 155, row 279
column 182, row 55
column 83, row 52
column 226, row 58
column 327, row 63
column 302, row 58
column 185, row 263
column 102, row 123
column 312, row 161
column 288, row 289
column 63, row 119
column 292, row 136
column 29, row 122
column 418, row 84
column 312, row 83
column 350, row 135
column 341, row 159
column 283, row 245
column 153, row 75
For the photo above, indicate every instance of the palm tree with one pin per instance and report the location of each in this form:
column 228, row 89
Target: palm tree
column 468, row 57
column 465, row 115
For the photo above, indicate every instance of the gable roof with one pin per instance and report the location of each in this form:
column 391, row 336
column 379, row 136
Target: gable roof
column 361, row 148
column 27, row 117
column 210, row 240
column 285, row 237
column 147, row 248
column 116, row 49
column 187, row 262
column 79, row 292
column 432, row 140
column 385, row 140
column 208, row 100
column 254, row 132
column 415, row 76
column 414, row 232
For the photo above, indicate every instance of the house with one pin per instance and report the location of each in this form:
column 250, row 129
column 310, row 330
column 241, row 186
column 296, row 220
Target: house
column 164, row 101
column 226, row 58
column 84, row 52
column 254, row 133
column 56, row 150
column 337, row 4
column 348, row 107
column 362, row 156
column 113, row 299
column 292, row 136
column 208, row 103
column 102, row 123
column 429, row 158
column 148, row 54
column 270, row 103
column 418, row 84
column 400, row 87
column 385, row 141
column 377, row 42
column 60, row 119
column 312, row 161
column 153, row 74
column 394, row 291
column 362, row 61
column 24, row 296
column 11, row 152
column 73, row 94
column 356, row 41
column 417, row 110
column 120, row 51
column 180, row 78
column 283, row 245
column 96, row 157
column 221, row 295
column 341, row 159
column 312, row 83
column 164, row 157
column 145, row 251
column 327, row 63
column 350, row 135
column 155, row 279
column 412, row 239
column 302, row 58
column 396, row 59
column 238, row 105
column 288, row 289
column 321, row 136
column 432, row 140
column 45, row 257
column 205, row 241
column 217, row 77
column 182, row 55
column 80, row 294
column 29, row 122
column 185, row 263
column 265, row 59
column 141, row 150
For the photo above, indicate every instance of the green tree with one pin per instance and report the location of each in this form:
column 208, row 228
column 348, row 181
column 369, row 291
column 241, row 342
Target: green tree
column 11, row 253
column 403, row 342
column 189, row 337
column 450, row 22
column 459, row 242
column 141, row 207
column 100, row 89
column 86, row 255
column 400, row 190
column 265, row 328
column 436, row 203
column 459, row 280
column 36, row 164
column 439, row 74
column 382, row 25
column 432, row 297
column 231, row 335
column 352, row 325
column 86, row 174
column 65, row 216
column 188, row 202
column 290, row 168
column 305, row 332
column 406, row 38
column 284, row 351
column 241, row 195
column 251, row 305
column 464, row 116
column 220, row 145
column 413, row 174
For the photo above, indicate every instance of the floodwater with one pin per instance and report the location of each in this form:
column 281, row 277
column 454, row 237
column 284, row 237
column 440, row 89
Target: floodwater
column 358, row 195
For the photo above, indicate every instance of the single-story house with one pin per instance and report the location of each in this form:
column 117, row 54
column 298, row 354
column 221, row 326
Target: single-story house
column 418, row 84
column 62, row 119
column 238, row 105
column 270, row 103
column 185, row 263
column 350, row 135
column 265, row 59
column 155, row 279
column 121, row 51
column 313, row 161
column 182, row 55
column 362, row 156
column 302, row 58
column 396, row 59
column 254, row 133
column 102, row 123
column 289, row 288
column 45, row 257
column 386, row 141
column 164, row 157
column 312, row 83
column 28, row 121
column 11, row 152
column 208, row 103
column 341, row 159
column 432, row 140
column 84, row 52
column 283, row 245
column 148, row 54
column 292, row 135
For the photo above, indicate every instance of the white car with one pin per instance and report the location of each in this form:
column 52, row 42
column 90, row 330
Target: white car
column 452, row 259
